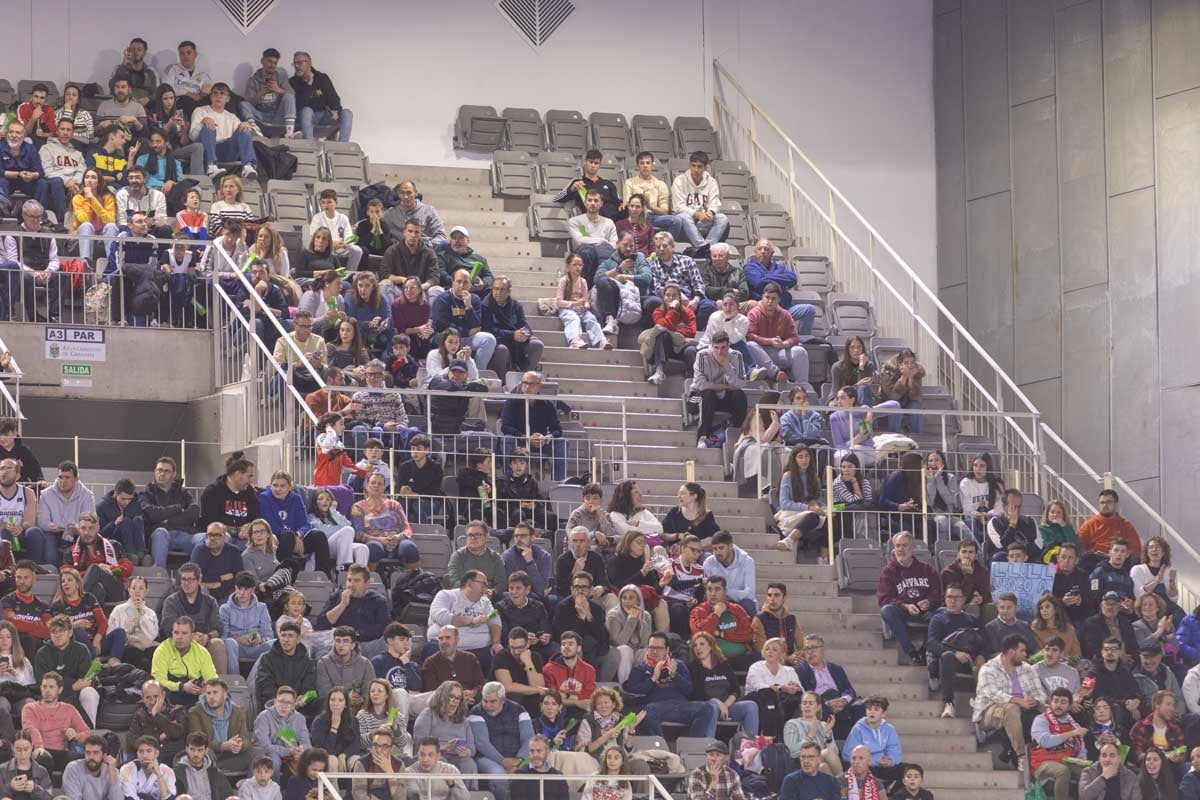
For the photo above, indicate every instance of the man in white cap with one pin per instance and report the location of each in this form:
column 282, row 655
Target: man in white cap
column 456, row 254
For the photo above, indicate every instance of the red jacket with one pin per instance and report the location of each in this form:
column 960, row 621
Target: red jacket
column 583, row 677
column 102, row 551
column 764, row 326
column 682, row 321
column 703, row 620
column 328, row 471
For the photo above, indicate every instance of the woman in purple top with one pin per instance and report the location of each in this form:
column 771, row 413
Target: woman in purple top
column 410, row 314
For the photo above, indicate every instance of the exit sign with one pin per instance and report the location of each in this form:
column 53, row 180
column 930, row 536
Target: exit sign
column 77, row 370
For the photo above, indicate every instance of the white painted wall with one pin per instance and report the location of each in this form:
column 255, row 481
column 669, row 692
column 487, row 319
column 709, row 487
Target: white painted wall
column 851, row 80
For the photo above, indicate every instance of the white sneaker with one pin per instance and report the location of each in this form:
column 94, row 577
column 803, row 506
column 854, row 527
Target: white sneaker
column 294, row 135
column 1023, row 770
column 212, row 171
column 610, row 325
column 248, row 171
column 658, row 377
column 756, row 374
column 702, row 443
column 948, row 711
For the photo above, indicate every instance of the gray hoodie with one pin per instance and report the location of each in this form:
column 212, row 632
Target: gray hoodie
column 79, row 784
column 433, row 231
column 63, row 162
column 268, row 724
column 54, row 508
column 333, row 671
column 626, row 630
column 256, row 89
column 248, row 789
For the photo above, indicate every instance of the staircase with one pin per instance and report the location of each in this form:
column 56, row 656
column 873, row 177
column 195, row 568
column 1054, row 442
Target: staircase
column 659, row 448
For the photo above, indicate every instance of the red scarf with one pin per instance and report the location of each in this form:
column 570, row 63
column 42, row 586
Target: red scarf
column 869, row 789
column 78, row 549
column 1039, row 755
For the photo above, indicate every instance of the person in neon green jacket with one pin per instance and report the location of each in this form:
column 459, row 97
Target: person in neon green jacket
column 181, row 667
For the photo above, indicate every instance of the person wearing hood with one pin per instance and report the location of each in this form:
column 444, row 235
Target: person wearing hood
column 909, row 591
column 277, row 726
column 346, row 667
column 11, row 446
column 629, row 629
column 197, row 774
column 287, row 663
column 121, row 518
column 224, row 725
column 246, row 621
column 61, row 505
column 521, row 501
column 696, row 202
column 737, row 568
column 169, row 510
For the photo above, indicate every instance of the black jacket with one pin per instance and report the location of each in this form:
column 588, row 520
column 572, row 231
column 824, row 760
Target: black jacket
column 319, row 96
column 565, row 568
column 277, row 669
column 31, row 468
column 173, row 509
column 108, row 511
column 1095, row 631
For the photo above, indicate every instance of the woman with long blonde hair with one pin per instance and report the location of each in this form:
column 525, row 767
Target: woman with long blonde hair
column 89, row 623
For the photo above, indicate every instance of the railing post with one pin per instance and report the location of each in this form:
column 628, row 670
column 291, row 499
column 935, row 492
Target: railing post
column 925, row 512
column 830, row 510
column 183, row 461
column 75, row 452
column 624, row 441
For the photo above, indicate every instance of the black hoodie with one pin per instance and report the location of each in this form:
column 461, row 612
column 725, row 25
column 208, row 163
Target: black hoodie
column 31, row 468
column 220, row 504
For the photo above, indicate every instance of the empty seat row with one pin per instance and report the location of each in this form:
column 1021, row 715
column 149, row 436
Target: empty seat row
column 481, row 128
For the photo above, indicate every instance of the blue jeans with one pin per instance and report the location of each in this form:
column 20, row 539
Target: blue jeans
column 308, row 119
column 424, row 510
column 404, row 549
column 804, row 314
column 57, row 198
column 112, row 645
column 592, row 255
column 896, row 618
column 17, row 284
column 131, row 533
column 238, row 147
column 87, row 249
column 163, row 541
column 38, row 189
column 482, row 345
column 747, row 360
column 488, row 767
column 283, row 114
column 706, row 232
column 236, row 652
column 665, row 222
column 392, row 440
column 745, row 712
column 699, row 715
column 911, row 421
column 36, row 545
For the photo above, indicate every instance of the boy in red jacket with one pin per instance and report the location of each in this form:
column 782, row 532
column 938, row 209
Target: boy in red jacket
column 909, row 591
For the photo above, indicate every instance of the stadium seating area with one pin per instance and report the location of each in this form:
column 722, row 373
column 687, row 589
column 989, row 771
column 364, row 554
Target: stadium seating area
column 796, row 564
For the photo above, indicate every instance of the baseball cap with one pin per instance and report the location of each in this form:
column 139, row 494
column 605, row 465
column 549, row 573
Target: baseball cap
column 460, row 229
column 1152, row 649
column 458, row 365
column 1111, row 596
column 717, row 747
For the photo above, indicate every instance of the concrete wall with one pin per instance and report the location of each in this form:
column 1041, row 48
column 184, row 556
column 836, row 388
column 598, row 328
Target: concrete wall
column 1068, row 180
column 850, row 80
column 162, row 365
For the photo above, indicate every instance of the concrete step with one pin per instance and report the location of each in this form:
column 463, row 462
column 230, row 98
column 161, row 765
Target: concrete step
column 633, row 404
column 930, row 727
column 715, row 489
column 893, row 674
column 798, row 589
column 931, row 743
column 762, row 541
column 853, row 658
column 565, row 355
column 476, row 221
column 560, row 371
column 813, row 572
column 483, row 237
column 641, row 422
column 547, row 324
column 892, row 691
column 653, row 437
column 839, row 638
column 922, row 708
column 963, row 771
column 529, row 294
column 650, row 454
column 456, row 200
column 514, row 249
column 776, row 557
column 674, row 472
column 609, row 388
column 421, row 175
column 865, row 622
column 535, row 264
column 726, row 506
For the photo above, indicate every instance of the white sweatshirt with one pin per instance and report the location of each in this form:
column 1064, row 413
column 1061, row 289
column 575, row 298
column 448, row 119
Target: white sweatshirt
column 227, row 122
column 688, row 196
